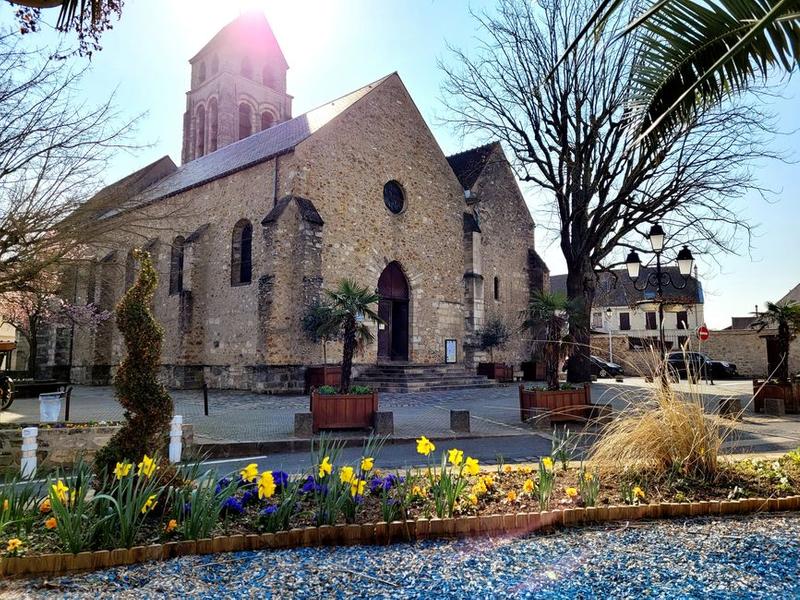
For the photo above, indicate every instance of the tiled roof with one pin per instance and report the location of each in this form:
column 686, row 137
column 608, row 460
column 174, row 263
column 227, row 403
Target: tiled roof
column 245, row 153
column 468, row 165
column 616, row 288
column 308, row 211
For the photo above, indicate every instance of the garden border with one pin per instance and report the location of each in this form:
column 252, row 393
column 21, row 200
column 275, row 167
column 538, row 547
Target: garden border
column 386, row 533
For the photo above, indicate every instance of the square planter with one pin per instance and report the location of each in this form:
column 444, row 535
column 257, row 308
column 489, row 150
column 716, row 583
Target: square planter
column 343, row 411
column 789, row 392
column 558, row 405
column 497, row 371
column 319, row 375
column 533, row 370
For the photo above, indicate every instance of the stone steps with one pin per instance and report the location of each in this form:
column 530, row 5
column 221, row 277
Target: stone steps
column 402, row 378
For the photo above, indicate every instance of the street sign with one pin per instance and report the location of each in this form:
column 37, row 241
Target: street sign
column 702, row 333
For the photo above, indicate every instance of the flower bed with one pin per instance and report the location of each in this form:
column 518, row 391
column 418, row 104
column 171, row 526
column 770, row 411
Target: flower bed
column 82, row 522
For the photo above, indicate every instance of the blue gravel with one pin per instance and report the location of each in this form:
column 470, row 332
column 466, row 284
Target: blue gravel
column 755, row 557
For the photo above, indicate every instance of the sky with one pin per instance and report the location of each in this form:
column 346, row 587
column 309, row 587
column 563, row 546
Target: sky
column 336, row 46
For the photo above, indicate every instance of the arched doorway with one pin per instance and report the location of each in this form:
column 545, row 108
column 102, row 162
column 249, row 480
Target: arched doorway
column 393, row 309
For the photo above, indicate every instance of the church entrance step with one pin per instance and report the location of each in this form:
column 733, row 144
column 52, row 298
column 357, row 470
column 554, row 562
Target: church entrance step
column 409, row 377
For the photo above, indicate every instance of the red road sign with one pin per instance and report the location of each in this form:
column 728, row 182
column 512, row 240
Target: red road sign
column 702, row 333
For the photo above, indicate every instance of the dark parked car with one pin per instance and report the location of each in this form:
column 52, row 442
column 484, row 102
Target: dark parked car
column 700, row 365
column 601, row 367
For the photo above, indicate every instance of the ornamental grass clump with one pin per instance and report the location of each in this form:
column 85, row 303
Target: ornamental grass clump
column 148, row 406
column 669, row 434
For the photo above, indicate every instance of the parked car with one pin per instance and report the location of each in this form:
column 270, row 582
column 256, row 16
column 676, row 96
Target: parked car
column 601, row 367
column 701, row 365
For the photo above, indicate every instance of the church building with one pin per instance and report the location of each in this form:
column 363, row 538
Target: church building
column 267, row 210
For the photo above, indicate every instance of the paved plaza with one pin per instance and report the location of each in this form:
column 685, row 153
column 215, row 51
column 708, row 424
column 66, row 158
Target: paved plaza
column 236, row 416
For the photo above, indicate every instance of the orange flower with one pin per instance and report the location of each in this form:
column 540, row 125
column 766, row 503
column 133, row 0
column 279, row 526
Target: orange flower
column 51, row 523
column 511, row 496
column 45, row 507
column 171, row 526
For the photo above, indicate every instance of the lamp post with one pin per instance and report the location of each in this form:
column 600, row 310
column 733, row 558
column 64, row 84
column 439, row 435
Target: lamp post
column 659, row 278
column 609, row 314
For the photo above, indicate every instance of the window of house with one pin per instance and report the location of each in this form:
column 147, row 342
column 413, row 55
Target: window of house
column 247, row 68
column 597, row 320
column 625, row 321
column 682, row 318
column 245, row 120
column 176, row 266
column 650, row 320
column 394, row 197
column 242, row 253
column 201, row 130
column 201, row 72
column 266, row 120
column 497, row 288
column 213, row 125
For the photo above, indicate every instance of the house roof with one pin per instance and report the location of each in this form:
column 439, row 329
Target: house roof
column 616, row 289
column 792, row 296
column 250, row 28
column 742, row 322
column 257, row 148
column 468, row 165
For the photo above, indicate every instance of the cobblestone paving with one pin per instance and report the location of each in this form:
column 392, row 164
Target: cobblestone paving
column 246, row 416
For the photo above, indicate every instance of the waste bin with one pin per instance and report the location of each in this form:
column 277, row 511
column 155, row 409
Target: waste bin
column 50, row 407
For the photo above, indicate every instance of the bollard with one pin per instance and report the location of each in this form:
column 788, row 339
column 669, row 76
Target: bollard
column 66, row 404
column 29, row 445
column 175, row 439
column 205, row 399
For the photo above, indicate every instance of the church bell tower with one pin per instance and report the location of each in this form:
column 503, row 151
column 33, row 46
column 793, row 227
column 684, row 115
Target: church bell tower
column 238, row 87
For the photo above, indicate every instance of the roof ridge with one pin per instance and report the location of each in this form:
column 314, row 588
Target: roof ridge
column 468, row 150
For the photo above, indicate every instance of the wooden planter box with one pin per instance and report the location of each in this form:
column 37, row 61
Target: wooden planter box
column 789, row 392
column 343, row 411
column 498, row 371
column 320, row 375
column 558, row 405
column 533, row 370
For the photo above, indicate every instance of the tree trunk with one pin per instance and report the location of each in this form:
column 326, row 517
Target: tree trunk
column 33, row 347
column 581, row 284
column 348, row 349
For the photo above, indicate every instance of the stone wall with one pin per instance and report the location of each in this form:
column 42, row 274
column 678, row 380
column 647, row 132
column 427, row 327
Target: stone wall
column 748, row 350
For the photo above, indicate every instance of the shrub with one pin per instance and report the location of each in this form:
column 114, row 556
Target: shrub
column 148, row 406
column 495, row 334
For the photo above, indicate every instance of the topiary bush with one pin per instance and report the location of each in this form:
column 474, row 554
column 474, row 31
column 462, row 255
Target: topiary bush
column 148, row 405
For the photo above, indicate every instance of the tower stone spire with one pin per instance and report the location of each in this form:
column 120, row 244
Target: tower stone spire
column 238, row 87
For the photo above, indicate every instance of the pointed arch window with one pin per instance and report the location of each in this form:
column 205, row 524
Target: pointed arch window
column 245, row 120
column 242, row 253
column 213, row 125
column 176, row 265
column 201, row 130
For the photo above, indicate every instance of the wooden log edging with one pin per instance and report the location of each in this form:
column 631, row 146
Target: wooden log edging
column 385, row 533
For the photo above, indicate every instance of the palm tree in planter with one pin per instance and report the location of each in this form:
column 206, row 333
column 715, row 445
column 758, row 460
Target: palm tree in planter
column 494, row 335
column 349, row 307
column 547, row 317
column 785, row 317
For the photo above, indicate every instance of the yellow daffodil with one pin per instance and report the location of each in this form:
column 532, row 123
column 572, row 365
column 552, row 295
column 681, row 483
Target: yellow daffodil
column 479, row 488
column 51, row 523
column 14, row 544
column 508, row 469
column 61, row 491
column 638, row 492
column 122, row 470
column 528, row 487
column 149, row 504
column 325, row 467
column 418, row 491
column 488, row 481
column 425, row 446
column 5, row 505
column 587, row 476
column 171, row 526
column 455, row 457
column 266, row 485
column 367, row 463
column 147, row 467
column 346, row 474
column 526, row 470
column 45, row 506
column 473, row 499
column 357, row 487
column 547, row 463
column 571, row 492
column 511, row 496
column 471, row 466
column 249, row 473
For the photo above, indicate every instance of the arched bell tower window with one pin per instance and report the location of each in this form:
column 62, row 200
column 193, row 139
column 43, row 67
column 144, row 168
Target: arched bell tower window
column 267, row 120
column 242, row 253
column 213, row 125
column 176, row 265
column 201, row 130
column 247, row 68
column 201, row 72
column 245, row 120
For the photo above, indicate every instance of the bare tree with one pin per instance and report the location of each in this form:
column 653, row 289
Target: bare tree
column 569, row 135
column 53, row 149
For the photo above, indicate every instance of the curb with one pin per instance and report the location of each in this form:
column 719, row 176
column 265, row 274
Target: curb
column 386, row 533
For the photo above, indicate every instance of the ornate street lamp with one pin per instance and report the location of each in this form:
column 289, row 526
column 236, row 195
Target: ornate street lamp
column 659, row 278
